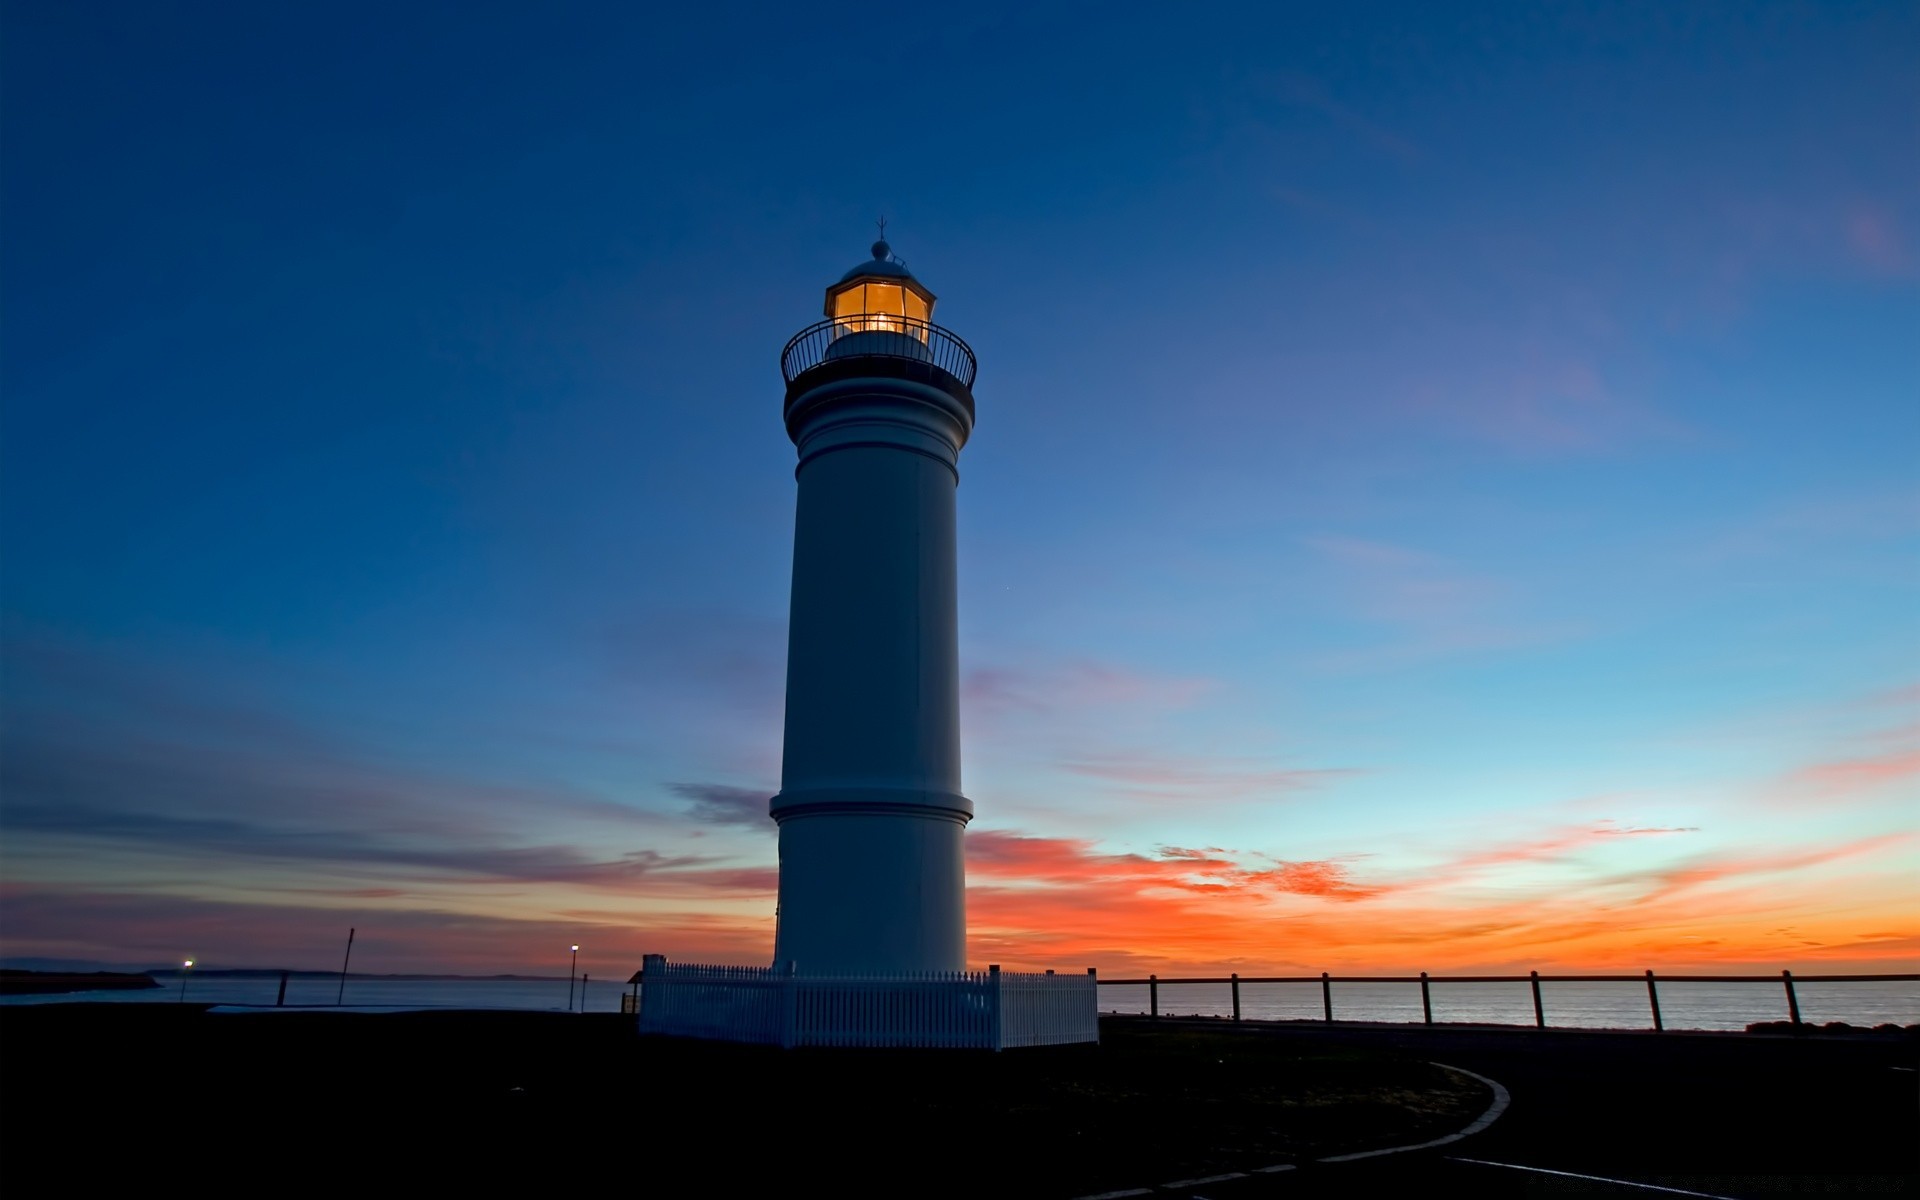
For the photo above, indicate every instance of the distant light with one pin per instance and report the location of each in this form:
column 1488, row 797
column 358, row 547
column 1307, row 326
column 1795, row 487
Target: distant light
column 576, row 947
column 187, row 963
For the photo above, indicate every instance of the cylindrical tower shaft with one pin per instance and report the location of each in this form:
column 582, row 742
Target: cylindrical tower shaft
column 872, row 876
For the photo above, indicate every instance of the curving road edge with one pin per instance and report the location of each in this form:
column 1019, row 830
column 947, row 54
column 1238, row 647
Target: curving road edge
column 1501, row 1098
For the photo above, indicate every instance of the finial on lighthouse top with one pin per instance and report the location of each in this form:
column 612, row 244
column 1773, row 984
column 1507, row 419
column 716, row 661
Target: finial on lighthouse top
column 879, row 288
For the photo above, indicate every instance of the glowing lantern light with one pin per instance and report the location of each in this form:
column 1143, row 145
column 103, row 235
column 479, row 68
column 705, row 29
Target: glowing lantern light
column 880, row 296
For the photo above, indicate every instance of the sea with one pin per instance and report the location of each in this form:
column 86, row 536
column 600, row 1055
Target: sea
column 1565, row 1005
column 384, row 992
column 1718, row 1006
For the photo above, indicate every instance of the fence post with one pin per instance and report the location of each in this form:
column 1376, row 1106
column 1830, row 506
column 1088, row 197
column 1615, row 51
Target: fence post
column 1653, row 1000
column 789, row 1008
column 1426, row 999
column 653, row 975
column 1236, row 995
column 1093, row 985
column 282, row 997
column 1539, row 1012
column 1153, row 996
column 1793, row 1001
column 993, row 988
column 1326, row 995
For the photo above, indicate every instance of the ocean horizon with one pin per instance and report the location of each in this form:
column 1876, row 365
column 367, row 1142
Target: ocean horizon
column 1698, row 1006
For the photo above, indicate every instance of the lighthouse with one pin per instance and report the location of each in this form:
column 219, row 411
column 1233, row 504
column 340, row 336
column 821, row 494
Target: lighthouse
column 870, row 945
column 879, row 403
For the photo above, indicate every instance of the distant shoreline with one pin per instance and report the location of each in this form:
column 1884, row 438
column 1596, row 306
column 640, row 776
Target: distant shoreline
column 277, row 972
column 53, row 983
column 19, row 981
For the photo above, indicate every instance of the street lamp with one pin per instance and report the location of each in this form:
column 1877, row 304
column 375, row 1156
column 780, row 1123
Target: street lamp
column 570, row 968
column 186, row 968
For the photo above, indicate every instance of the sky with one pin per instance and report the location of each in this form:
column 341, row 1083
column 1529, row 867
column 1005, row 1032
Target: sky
column 1446, row 492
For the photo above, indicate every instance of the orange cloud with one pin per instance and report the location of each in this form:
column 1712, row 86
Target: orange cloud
column 1858, row 774
column 1328, row 879
column 1046, row 901
column 1039, row 901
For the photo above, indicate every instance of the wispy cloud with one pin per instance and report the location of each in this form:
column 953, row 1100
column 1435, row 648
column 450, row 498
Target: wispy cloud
column 118, row 773
column 1876, row 241
column 1907, row 696
column 383, row 854
column 1438, row 608
column 1313, row 95
column 1548, row 848
column 1331, row 880
column 1795, row 526
column 1172, row 777
column 1656, row 885
column 722, row 804
column 1847, row 776
column 1057, row 899
column 1550, row 406
column 143, row 927
column 1075, row 686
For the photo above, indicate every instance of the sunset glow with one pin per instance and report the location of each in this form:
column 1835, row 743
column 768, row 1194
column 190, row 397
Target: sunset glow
column 1444, row 494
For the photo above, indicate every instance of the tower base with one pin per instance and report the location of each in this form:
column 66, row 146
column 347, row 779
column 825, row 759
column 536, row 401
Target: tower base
column 871, row 887
column 981, row 1010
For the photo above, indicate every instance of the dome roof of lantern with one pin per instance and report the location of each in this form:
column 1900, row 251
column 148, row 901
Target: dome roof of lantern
column 881, row 266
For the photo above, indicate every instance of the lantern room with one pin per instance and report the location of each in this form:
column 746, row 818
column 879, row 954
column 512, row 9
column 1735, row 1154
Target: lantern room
column 880, row 296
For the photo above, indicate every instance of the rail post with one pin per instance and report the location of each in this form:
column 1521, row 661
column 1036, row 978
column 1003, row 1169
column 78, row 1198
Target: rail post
column 341, row 997
column 1153, row 997
column 790, row 1006
column 650, row 991
column 281, row 1000
column 1653, row 1002
column 1539, row 1010
column 1426, row 999
column 1793, row 1001
column 1236, row 995
column 999, row 1024
column 1326, row 995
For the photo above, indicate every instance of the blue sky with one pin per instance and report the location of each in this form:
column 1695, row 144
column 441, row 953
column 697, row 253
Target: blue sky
column 1441, row 471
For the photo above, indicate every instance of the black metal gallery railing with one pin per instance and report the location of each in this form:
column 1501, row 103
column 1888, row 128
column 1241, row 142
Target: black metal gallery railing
column 1326, row 981
column 876, row 335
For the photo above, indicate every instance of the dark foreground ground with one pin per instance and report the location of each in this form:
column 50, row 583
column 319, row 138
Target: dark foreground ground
column 168, row 1099
column 1719, row 1114
column 560, row 1101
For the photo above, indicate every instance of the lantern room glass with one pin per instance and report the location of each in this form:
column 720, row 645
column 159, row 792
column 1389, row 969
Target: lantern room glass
column 875, row 306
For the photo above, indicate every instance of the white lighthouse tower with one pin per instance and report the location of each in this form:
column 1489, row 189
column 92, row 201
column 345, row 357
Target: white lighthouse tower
column 871, row 946
column 879, row 403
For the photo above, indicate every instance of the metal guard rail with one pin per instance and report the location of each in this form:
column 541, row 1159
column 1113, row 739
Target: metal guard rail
column 882, row 336
column 1664, row 978
column 1326, row 980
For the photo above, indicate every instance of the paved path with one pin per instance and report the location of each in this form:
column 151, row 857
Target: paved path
column 1729, row 1115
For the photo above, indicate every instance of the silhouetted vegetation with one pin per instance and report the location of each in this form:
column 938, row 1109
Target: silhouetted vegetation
column 49, row 983
column 585, row 1098
column 1807, row 1028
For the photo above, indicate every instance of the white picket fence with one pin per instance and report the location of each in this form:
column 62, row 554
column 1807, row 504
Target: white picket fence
column 991, row 1009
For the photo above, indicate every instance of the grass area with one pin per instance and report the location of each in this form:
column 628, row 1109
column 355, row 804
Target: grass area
column 519, row 1096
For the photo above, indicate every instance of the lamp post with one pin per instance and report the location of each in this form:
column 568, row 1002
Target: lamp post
column 186, row 969
column 570, row 968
